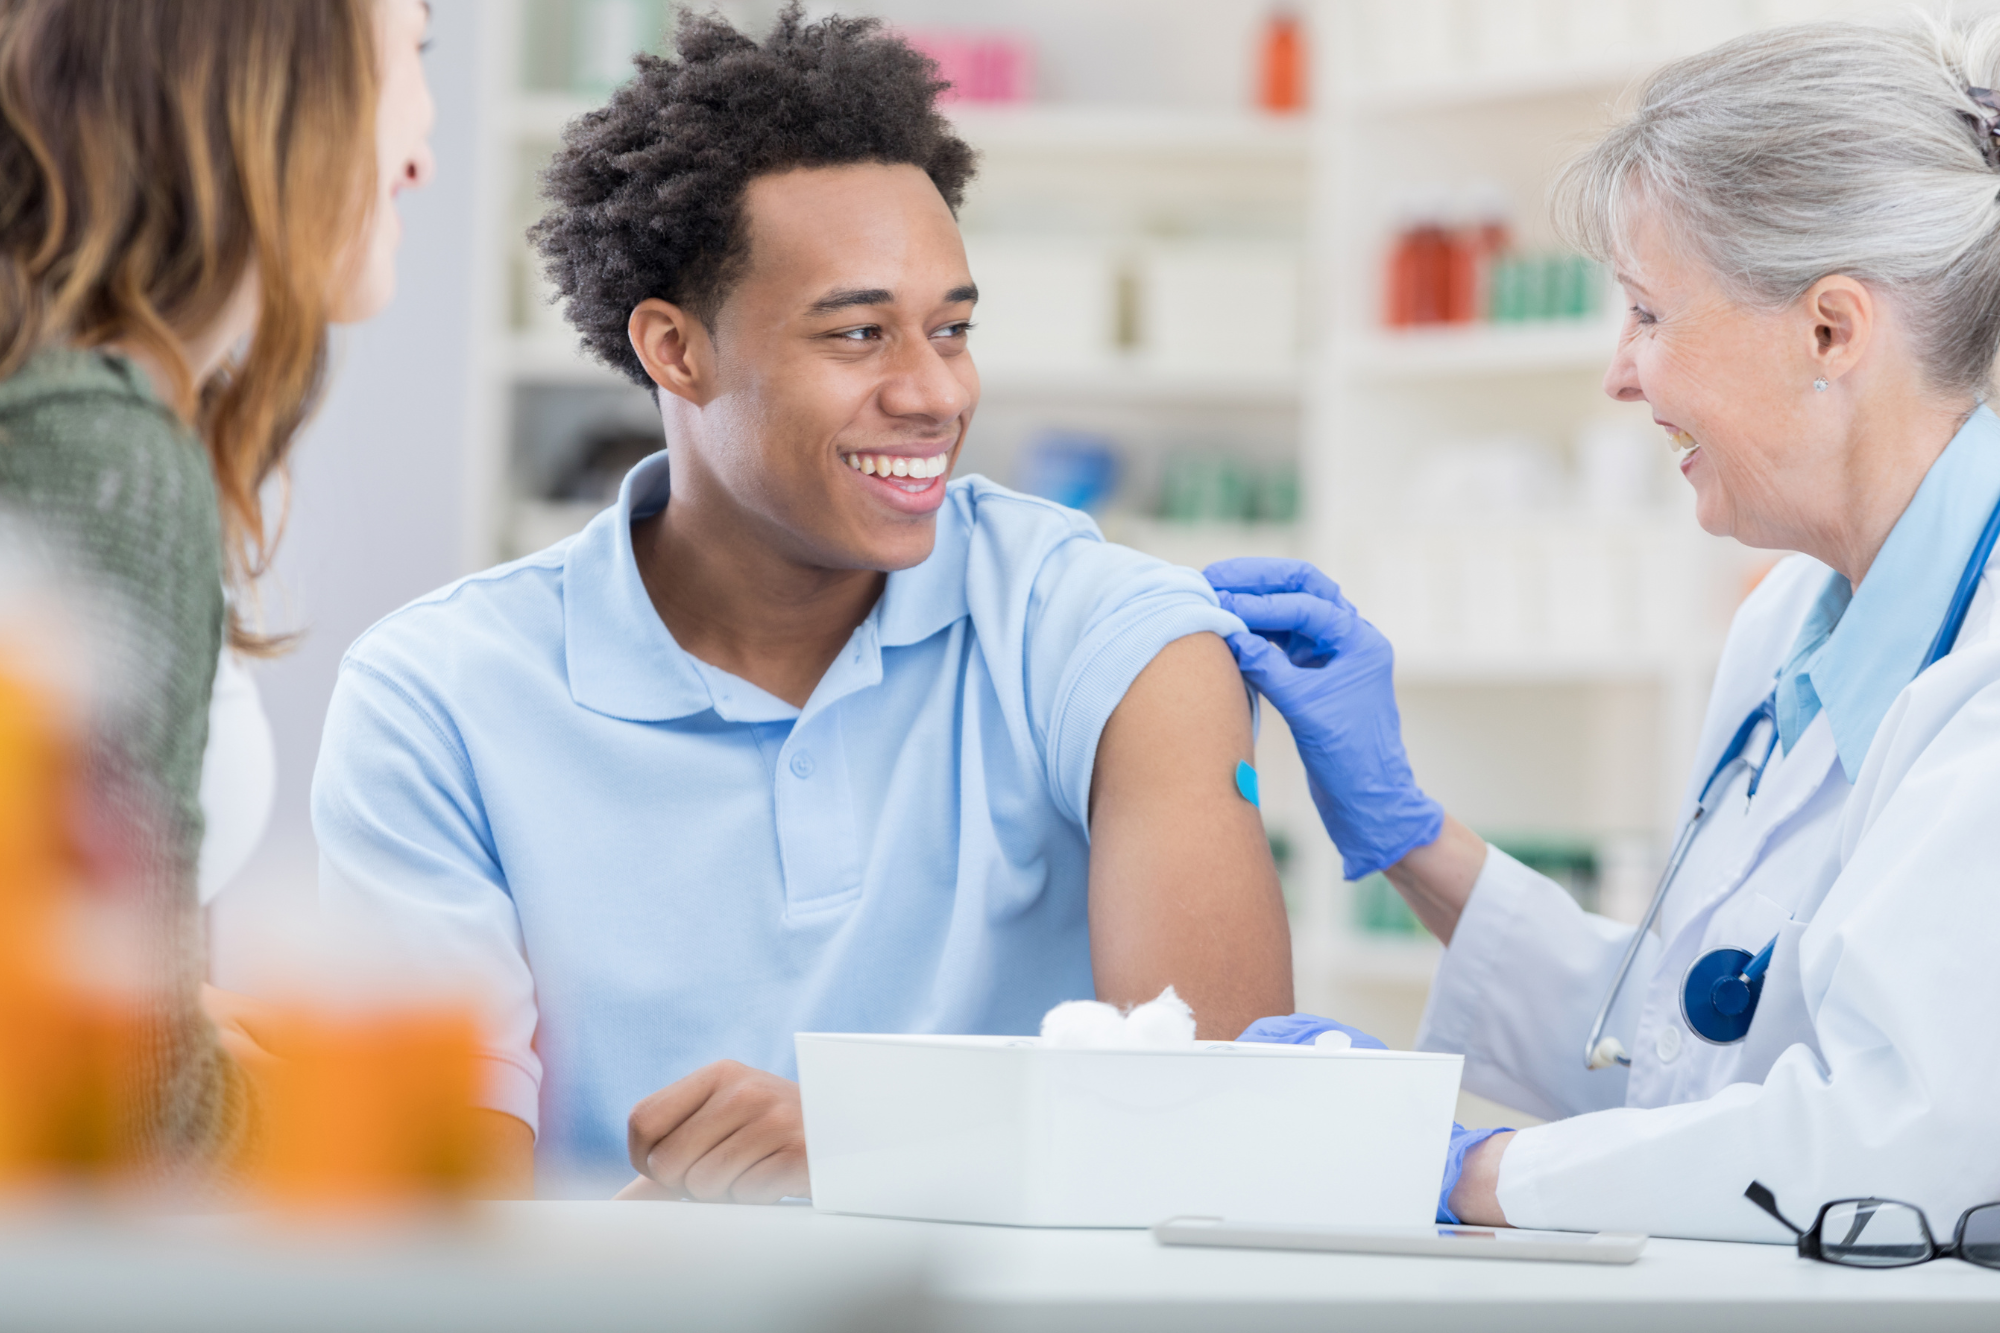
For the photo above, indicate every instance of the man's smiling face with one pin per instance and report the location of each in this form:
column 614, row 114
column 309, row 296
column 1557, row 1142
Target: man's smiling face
column 842, row 382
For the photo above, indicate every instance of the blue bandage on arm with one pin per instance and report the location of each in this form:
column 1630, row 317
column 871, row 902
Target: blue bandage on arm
column 1463, row 1141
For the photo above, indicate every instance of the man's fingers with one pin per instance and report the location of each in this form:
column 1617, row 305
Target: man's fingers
column 744, row 1115
column 1257, row 574
column 782, row 1175
column 725, row 1171
column 677, row 1151
column 644, row 1189
column 663, row 1112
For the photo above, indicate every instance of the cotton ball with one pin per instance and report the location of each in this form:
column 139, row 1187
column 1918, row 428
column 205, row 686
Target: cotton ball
column 1087, row 1023
column 1166, row 1021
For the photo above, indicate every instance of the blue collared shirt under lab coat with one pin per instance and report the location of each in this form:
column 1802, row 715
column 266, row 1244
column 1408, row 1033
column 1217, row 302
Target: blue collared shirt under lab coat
column 1859, row 648
column 648, row 864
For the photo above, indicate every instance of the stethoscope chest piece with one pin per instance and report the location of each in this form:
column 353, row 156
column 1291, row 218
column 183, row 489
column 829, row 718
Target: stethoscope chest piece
column 1720, row 993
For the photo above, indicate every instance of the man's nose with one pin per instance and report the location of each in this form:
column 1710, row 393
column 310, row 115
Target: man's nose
column 923, row 383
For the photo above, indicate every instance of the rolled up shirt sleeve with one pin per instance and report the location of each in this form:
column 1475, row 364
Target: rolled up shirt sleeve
column 1094, row 615
column 407, row 866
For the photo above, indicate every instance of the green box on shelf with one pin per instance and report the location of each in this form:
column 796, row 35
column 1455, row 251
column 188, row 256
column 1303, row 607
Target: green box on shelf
column 1380, row 911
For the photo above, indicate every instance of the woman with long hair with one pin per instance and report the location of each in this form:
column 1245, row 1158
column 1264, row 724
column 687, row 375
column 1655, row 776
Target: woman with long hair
column 191, row 191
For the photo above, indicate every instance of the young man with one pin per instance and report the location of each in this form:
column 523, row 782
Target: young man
column 809, row 739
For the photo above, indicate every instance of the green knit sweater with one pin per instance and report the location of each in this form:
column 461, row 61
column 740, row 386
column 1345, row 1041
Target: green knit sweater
column 116, row 482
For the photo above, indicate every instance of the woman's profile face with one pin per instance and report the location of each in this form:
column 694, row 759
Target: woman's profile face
column 404, row 115
column 1730, row 384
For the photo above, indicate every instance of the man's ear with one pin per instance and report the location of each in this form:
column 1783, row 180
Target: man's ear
column 675, row 348
column 1843, row 314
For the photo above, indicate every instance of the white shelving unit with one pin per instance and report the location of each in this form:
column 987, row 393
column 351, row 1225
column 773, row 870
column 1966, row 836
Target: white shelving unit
column 1553, row 728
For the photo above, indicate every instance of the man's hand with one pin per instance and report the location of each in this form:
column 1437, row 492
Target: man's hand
column 724, row 1134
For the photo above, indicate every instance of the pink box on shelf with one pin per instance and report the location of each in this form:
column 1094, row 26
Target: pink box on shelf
column 981, row 66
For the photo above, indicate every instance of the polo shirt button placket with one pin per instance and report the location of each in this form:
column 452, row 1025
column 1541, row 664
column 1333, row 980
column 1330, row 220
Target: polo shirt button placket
column 802, row 764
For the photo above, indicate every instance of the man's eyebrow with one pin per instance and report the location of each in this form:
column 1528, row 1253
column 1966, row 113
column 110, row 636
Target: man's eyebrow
column 1628, row 282
column 847, row 297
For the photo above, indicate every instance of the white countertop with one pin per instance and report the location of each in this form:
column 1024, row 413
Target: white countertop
column 606, row 1266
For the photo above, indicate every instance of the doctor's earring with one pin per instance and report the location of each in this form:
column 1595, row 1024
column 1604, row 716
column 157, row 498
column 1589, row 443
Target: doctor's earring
column 1820, row 385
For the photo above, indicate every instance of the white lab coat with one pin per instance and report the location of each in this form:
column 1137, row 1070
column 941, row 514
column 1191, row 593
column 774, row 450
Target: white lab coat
column 1873, row 1064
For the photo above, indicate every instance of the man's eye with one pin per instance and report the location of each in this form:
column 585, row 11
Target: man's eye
column 866, row 333
column 1642, row 315
column 958, row 330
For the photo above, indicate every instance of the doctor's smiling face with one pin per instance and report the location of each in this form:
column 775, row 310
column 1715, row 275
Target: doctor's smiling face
column 825, row 407
column 1733, row 385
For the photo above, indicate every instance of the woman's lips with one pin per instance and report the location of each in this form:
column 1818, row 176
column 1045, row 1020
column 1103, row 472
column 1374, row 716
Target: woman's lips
column 1684, row 445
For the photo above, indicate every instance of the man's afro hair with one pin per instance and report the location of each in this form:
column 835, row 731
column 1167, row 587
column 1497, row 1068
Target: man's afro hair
column 646, row 193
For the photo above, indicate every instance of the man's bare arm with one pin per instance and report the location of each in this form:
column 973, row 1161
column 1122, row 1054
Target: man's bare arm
column 504, row 1148
column 1182, row 887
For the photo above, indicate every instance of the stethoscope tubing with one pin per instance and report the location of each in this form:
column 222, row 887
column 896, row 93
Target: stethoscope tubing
column 1601, row 1052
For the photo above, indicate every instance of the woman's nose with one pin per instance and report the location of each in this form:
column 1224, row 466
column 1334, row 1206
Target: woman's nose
column 1621, row 377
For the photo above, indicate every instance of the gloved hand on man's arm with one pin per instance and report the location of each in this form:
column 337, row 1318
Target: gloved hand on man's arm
column 1305, row 1030
column 1330, row 673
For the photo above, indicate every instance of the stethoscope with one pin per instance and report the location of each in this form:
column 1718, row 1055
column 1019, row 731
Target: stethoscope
column 1720, row 992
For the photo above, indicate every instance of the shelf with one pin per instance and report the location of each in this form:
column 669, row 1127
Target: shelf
column 1134, row 382
column 1480, row 349
column 1198, row 545
column 542, row 359
column 1533, row 667
column 1489, row 89
column 1077, row 131
column 1060, row 130
column 1352, row 958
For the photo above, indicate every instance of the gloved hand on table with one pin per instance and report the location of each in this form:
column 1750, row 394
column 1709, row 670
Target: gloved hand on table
column 1330, row 673
column 1304, row 1030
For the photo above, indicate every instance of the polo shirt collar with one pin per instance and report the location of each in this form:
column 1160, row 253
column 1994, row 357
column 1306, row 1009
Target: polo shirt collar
column 1860, row 646
column 624, row 662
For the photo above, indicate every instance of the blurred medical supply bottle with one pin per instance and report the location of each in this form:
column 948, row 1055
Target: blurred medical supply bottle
column 68, row 1050
column 1281, row 63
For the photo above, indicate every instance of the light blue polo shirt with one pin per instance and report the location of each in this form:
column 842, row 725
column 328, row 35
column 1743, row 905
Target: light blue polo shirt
column 648, row 864
column 1860, row 646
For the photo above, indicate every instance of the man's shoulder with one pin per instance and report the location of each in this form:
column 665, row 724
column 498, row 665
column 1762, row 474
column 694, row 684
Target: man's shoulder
column 476, row 627
column 976, row 508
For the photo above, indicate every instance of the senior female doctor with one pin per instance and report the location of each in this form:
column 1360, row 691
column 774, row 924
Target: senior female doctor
column 1806, row 224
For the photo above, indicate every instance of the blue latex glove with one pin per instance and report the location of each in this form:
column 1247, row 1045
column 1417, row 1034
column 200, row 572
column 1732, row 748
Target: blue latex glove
column 1330, row 673
column 1463, row 1141
column 1301, row 1029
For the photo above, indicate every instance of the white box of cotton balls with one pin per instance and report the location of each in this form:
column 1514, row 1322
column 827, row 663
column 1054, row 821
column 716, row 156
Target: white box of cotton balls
column 1123, row 1122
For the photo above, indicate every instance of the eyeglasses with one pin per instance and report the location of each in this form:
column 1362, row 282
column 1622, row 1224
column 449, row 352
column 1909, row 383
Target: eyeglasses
column 1881, row 1233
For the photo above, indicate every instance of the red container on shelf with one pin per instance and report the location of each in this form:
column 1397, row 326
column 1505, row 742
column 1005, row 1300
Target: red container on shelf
column 1281, row 63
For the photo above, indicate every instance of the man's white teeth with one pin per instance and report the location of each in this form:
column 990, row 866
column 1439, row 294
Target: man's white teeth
column 887, row 465
column 1680, row 441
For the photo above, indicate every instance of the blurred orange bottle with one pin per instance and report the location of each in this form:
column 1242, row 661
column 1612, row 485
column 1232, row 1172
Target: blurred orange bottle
column 1477, row 243
column 1281, row 64
column 370, row 1108
column 69, row 1054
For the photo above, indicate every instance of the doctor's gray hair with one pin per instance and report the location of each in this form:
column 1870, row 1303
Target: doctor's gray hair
column 1788, row 155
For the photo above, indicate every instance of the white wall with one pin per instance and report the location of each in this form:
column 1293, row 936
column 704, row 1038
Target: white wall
column 377, row 512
